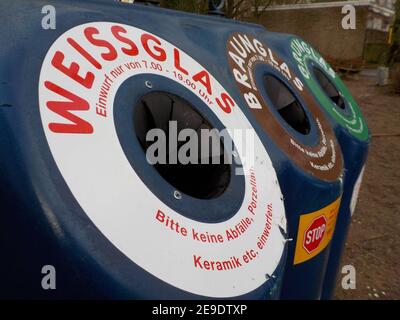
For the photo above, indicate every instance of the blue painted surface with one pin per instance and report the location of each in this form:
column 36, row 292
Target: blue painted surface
column 42, row 222
column 355, row 154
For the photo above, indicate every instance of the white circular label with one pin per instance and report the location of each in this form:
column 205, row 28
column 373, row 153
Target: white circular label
column 79, row 78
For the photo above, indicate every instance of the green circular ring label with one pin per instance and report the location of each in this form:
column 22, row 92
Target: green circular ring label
column 355, row 123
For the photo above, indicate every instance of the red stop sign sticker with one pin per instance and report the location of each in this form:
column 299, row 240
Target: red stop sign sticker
column 315, row 231
column 314, row 234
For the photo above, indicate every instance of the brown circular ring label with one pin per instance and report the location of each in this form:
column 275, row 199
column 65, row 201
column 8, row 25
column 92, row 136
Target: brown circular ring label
column 323, row 160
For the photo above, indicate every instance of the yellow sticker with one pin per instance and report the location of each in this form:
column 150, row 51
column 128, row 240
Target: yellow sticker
column 315, row 232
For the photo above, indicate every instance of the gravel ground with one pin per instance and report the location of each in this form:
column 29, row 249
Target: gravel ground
column 373, row 246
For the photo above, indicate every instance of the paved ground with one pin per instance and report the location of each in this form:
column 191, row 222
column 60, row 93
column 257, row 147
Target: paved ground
column 373, row 247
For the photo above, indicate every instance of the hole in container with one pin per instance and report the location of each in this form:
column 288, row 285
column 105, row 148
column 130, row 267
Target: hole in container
column 329, row 89
column 156, row 110
column 286, row 104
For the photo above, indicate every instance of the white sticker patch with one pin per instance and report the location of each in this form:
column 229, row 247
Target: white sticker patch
column 79, row 79
column 356, row 191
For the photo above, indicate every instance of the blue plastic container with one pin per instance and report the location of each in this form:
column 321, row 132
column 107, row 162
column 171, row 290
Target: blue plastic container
column 303, row 148
column 76, row 190
column 350, row 129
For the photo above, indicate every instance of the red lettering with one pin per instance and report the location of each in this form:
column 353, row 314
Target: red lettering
column 101, row 112
column 197, row 262
column 133, row 50
column 72, row 70
column 63, row 109
column 84, row 53
column 195, row 235
column 89, row 34
column 227, row 103
column 160, row 216
column 250, row 208
column 177, row 60
column 204, row 78
column 158, row 53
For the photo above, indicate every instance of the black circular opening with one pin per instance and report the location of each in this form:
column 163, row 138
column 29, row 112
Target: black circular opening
column 329, row 88
column 287, row 104
column 205, row 179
